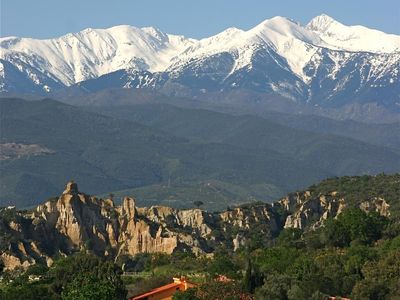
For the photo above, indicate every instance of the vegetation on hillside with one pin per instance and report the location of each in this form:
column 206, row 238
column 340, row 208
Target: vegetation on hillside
column 356, row 255
column 358, row 189
column 363, row 263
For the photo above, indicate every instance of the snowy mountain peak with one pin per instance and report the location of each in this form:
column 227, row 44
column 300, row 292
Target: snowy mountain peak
column 154, row 32
column 278, row 28
column 278, row 20
column 353, row 38
column 321, row 23
column 278, row 24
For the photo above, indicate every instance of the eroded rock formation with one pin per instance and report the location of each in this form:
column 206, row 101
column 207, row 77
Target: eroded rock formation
column 77, row 221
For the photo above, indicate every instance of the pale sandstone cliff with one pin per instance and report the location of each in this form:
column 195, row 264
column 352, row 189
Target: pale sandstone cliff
column 77, row 221
column 304, row 209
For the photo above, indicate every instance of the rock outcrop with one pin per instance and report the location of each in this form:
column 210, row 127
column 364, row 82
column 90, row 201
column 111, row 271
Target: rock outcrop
column 303, row 208
column 77, row 221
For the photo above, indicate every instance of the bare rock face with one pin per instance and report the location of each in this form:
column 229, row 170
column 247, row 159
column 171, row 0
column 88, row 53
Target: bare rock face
column 304, row 209
column 378, row 205
column 139, row 234
column 238, row 241
column 262, row 216
column 138, row 238
column 12, row 262
column 129, row 207
column 83, row 221
column 307, row 210
column 71, row 188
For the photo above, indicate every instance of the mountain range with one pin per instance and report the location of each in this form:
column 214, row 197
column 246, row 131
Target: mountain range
column 321, row 64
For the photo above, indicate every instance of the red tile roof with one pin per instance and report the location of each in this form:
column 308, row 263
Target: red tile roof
column 157, row 290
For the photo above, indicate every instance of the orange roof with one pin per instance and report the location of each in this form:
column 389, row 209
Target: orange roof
column 157, row 290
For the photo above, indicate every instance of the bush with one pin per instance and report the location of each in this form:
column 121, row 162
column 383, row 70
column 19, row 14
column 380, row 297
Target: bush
column 71, row 270
column 353, row 224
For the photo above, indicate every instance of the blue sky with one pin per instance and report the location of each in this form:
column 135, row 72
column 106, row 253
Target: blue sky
column 192, row 18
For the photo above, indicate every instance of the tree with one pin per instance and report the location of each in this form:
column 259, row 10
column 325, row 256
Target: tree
column 84, row 265
column 189, row 294
column 252, row 277
column 222, row 264
column 275, row 287
column 353, row 224
column 198, row 203
column 37, row 269
column 1, row 267
column 26, row 291
column 85, row 287
column 277, row 259
column 221, row 290
column 381, row 278
column 248, row 284
column 290, row 237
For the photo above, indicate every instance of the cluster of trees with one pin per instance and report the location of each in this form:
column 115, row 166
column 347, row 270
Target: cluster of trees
column 80, row 276
column 356, row 255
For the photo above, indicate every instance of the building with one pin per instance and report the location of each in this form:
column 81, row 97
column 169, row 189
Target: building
column 165, row 292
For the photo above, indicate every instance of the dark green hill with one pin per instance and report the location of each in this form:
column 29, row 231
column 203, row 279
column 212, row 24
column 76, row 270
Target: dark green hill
column 107, row 154
column 270, row 107
column 337, row 154
column 175, row 155
column 387, row 135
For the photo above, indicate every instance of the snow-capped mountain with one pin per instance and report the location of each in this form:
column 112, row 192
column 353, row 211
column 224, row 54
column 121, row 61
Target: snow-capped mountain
column 353, row 38
column 323, row 62
column 91, row 53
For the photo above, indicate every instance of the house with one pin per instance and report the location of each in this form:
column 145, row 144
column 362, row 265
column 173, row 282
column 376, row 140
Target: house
column 165, row 292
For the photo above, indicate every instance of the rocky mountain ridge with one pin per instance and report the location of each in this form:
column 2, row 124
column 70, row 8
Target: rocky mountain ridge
column 324, row 63
column 77, row 221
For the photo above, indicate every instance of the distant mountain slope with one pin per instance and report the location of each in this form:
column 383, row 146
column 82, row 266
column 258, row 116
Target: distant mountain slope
column 108, row 154
column 324, row 63
column 239, row 160
column 338, row 154
column 128, row 104
column 236, row 102
column 387, row 135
